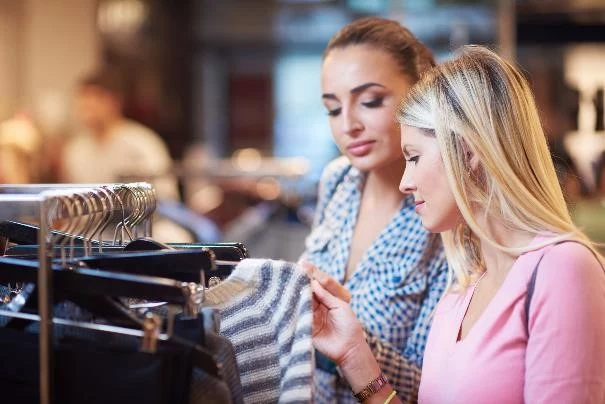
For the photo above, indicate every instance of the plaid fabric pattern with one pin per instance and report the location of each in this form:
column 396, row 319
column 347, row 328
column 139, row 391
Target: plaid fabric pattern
column 396, row 285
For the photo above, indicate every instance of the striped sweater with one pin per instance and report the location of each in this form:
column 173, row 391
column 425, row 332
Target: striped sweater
column 266, row 313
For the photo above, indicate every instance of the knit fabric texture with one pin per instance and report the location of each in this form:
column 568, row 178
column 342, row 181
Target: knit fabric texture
column 266, row 313
column 224, row 353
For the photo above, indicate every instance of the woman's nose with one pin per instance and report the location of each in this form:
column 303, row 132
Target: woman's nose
column 406, row 186
column 351, row 124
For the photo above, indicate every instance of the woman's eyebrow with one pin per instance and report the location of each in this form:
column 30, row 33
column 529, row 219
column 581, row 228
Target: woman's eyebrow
column 354, row 90
column 362, row 87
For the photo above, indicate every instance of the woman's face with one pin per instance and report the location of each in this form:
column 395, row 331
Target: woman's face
column 362, row 87
column 425, row 178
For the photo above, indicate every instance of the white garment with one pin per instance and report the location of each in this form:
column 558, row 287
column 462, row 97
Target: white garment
column 129, row 150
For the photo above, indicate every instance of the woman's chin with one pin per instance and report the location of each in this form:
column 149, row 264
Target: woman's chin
column 433, row 227
column 368, row 163
column 363, row 164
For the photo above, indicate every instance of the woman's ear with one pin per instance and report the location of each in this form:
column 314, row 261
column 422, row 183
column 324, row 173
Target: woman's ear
column 473, row 161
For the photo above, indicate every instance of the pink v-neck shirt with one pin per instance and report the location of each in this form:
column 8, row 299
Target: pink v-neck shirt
column 562, row 360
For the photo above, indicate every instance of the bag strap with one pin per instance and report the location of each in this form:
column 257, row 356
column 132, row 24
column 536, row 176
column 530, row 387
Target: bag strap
column 531, row 285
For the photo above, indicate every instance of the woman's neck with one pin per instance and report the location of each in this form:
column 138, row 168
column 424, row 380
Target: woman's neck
column 383, row 184
column 498, row 262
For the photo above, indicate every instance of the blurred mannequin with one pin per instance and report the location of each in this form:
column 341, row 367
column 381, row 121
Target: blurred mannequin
column 113, row 148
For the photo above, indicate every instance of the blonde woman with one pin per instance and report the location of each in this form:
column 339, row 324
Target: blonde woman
column 481, row 174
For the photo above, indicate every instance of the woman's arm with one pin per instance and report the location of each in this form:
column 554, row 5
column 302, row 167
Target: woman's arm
column 339, row 335
column 565, row 358
column 401, row 366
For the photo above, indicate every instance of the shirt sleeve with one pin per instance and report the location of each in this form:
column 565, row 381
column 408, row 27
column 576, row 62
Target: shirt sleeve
column 565, row 358
column 403, row 374
column 403, row 366
column 150, row 157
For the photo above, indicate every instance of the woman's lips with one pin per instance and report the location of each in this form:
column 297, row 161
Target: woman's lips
column 361, row 148
column 419, row 205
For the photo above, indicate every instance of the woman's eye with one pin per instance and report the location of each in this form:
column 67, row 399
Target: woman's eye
column 334, row 112
column 412, row 159
column 374, row 103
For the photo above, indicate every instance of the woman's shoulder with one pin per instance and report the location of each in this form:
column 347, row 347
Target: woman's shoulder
column 568, row 263
column 333, row 175
column 335, row 170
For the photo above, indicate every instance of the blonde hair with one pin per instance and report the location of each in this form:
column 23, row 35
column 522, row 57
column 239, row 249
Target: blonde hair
column 479, row 104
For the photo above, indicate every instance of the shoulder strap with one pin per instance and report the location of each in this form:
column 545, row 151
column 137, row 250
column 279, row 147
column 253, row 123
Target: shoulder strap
column 531, row 285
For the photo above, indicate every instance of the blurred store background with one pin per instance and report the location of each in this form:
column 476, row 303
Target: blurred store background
column 232, row 88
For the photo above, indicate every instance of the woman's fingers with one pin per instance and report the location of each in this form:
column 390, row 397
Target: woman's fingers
column 308, row 268
column 324, row 296
column 336, row 329
column 333, row 286
column 329, row 283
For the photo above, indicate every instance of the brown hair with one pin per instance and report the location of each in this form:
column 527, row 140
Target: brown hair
column 412, row 56
column 111, row 80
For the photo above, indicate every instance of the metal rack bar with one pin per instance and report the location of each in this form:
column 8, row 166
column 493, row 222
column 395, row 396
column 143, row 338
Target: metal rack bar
column 45, row 278
column 18, row 205
column 38, row 188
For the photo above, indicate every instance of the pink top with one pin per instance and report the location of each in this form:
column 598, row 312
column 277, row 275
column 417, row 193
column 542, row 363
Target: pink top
column 562, row 361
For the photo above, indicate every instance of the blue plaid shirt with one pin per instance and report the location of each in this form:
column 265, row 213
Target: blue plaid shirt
column 394, row 289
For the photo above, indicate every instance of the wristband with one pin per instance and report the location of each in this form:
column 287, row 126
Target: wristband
column 372, row 388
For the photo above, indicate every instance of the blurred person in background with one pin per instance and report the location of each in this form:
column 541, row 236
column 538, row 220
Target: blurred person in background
column 20, row 143
column 366, row 234
column 113, row 148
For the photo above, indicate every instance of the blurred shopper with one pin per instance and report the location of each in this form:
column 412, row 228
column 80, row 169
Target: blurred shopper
column 113, row 148
column 366, row 234
column 20, row 143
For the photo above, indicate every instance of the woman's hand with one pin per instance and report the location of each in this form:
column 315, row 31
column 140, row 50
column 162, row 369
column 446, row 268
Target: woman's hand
column 337, row 332
column 326, row 281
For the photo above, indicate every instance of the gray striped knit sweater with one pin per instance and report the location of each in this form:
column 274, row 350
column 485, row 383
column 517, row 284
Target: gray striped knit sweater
column 266, row 313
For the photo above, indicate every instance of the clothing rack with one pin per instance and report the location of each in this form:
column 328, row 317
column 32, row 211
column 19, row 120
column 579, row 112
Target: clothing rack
column 50, row 203
column 11, row 210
